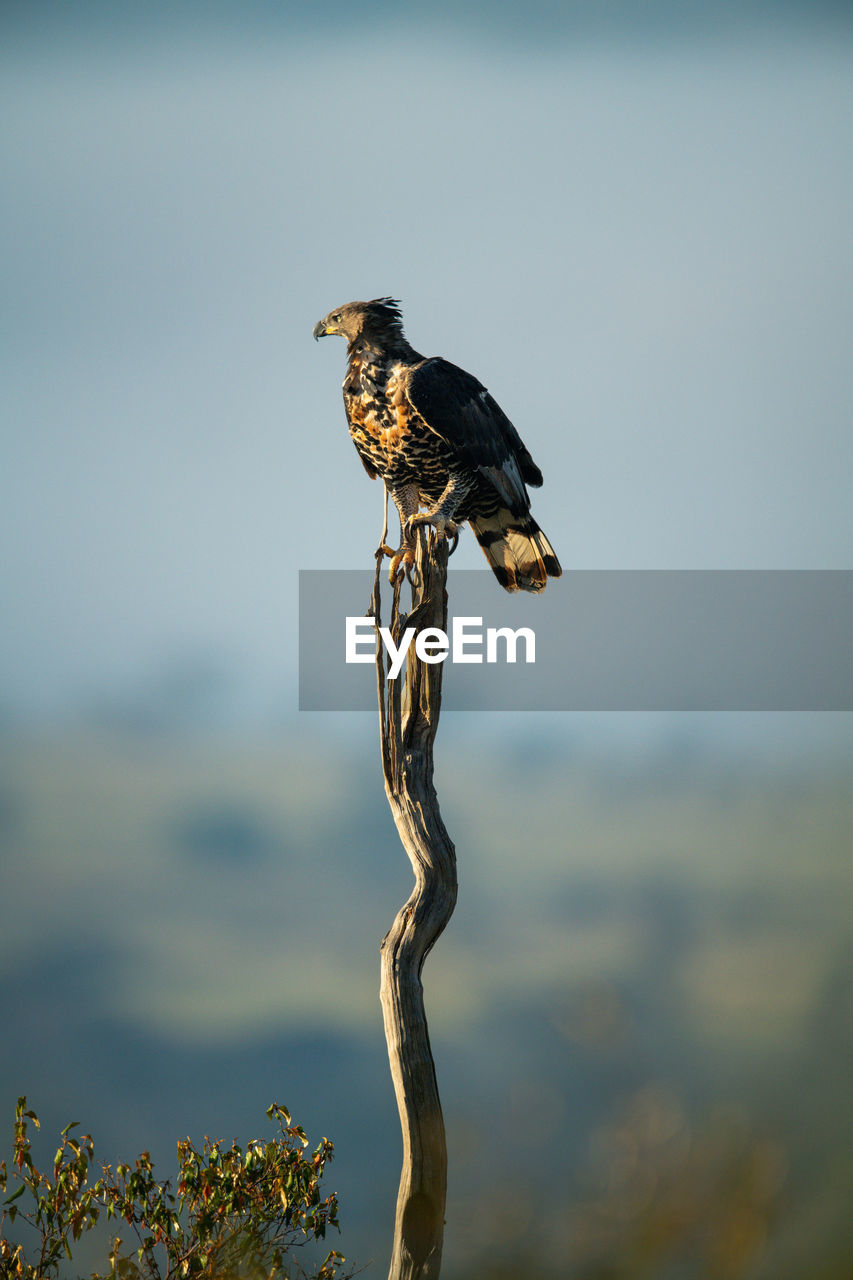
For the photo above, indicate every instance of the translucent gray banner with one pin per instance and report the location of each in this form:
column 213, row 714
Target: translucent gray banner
column 617, row 640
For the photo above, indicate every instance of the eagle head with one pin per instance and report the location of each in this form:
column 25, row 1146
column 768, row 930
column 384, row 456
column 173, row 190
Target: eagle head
column 380, row 319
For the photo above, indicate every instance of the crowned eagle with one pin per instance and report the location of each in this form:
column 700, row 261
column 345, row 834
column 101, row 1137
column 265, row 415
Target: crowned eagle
column 440, row 441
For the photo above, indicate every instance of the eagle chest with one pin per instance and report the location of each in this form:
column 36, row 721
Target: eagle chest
column 380, row 417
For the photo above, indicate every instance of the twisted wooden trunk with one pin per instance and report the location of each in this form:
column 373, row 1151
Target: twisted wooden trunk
column 408, row 719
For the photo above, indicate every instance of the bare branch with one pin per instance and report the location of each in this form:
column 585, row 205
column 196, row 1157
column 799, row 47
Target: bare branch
column 408, row 721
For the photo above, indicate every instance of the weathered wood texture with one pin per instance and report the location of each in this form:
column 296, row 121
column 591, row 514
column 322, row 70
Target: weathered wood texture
column 408, row 721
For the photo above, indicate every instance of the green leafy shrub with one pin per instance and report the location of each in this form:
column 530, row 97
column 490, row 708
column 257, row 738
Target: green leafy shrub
column 233, row 1213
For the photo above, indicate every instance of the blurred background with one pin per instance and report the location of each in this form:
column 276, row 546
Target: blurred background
column 633, row 224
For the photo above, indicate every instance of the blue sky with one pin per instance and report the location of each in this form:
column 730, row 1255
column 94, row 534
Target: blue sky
column 639, row 239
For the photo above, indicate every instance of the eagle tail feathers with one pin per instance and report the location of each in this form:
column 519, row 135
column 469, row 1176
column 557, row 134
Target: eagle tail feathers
column 520, row 555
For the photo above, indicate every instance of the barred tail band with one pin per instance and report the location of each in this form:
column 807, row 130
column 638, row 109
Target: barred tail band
column 521, row 557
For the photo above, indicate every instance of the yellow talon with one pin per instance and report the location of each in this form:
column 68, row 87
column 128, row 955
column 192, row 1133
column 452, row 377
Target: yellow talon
column 403, row 563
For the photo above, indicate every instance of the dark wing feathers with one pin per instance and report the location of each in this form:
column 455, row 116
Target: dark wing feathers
column 460, row 410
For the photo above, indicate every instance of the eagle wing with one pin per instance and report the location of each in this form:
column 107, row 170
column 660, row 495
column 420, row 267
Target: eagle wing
column 459, row 409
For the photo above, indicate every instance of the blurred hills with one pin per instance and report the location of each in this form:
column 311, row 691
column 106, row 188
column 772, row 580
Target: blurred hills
column 643, row 1005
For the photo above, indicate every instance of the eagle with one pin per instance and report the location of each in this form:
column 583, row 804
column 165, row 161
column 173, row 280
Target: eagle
column 439, row 440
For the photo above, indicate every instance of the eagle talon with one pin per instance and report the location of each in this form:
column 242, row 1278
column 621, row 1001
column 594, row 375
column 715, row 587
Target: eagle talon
column 402, row 564
column 444, row 528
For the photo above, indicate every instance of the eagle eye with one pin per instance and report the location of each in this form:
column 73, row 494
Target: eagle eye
column 335, row 319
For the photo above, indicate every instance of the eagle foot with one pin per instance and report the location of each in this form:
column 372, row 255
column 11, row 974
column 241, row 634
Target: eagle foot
column 403, row 564
column 452, row 540
column 444, row 527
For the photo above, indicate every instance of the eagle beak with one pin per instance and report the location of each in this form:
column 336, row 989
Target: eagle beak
column 320, row 330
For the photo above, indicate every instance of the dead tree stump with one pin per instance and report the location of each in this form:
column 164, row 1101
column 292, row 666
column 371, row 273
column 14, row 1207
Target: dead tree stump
column 408, row 719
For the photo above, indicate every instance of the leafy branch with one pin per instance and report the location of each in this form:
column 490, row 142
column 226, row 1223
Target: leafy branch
column 233, row 1212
